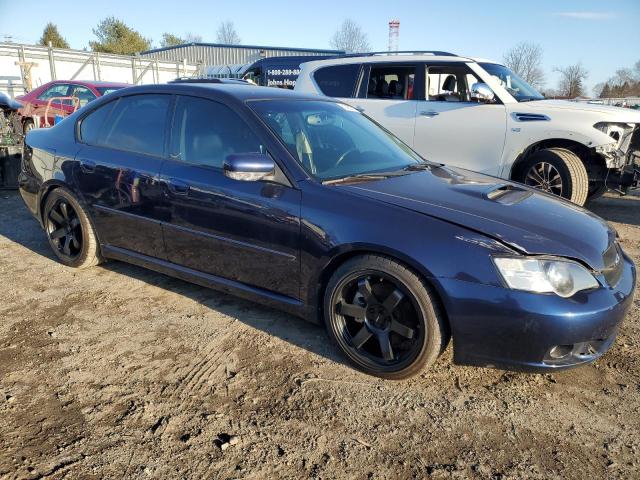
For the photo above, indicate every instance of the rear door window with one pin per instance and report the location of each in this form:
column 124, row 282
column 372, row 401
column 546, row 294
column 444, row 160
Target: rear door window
column 338, row 80
column 137, row 124
column 391, row 82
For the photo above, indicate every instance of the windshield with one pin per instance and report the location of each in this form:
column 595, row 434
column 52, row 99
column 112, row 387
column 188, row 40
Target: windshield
column 105, row 90
column 517, row 87
column 333, row 140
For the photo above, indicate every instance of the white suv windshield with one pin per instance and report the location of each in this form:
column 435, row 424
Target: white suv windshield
column 517, row 87
column 332, row 140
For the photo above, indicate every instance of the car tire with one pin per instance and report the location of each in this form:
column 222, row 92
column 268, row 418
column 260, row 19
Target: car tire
column 69, row 231
column 27, row 126
column 557, row 171
column 383, row 317
column 596, row 191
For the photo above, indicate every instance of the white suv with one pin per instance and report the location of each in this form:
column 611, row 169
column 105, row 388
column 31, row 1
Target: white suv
column 479, row 115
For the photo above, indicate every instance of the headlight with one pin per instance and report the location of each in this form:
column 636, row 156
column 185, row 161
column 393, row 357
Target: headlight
column 615, row 130
column 562, row 277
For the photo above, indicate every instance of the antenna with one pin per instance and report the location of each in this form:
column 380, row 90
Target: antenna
column 394, row 35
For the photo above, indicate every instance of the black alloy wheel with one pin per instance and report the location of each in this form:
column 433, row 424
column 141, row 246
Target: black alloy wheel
column 381, row 316
column 64, row 229
column 69, row 230
column 378, row 319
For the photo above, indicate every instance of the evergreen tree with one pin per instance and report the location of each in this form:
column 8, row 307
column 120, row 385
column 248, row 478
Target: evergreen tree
column 51, row 34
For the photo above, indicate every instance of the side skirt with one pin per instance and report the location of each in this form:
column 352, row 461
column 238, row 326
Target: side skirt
column 258, row 295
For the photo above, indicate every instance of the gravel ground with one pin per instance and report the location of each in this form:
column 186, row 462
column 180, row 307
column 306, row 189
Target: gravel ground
column 117, row 372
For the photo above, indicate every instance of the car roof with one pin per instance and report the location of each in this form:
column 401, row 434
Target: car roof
column 399, row 58
column 236, row 92
column 388, row 58
column 94, row 83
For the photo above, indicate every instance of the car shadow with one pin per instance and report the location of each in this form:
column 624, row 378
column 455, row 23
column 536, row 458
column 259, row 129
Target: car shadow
column 18, row 226
column 287, row 327
column 615, row 208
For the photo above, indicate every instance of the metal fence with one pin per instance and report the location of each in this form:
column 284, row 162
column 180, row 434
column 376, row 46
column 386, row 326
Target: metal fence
column 23, row 67
column 611, row 101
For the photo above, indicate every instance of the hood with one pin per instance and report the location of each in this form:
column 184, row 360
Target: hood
column 525, row 219
column 614, row 114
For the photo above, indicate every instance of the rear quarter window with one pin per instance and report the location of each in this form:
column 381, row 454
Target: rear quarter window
column 337, row 80
column 91, row 125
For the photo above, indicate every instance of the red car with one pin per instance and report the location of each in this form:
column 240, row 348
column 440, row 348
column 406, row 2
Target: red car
column 60, row 98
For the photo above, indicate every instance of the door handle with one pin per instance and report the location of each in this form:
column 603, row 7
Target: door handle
column 87, row 166
column 178, row 186
column 429, row 114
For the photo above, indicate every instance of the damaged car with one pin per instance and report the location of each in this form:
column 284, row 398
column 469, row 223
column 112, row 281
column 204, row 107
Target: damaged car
column 478, row 114
column 302, row 203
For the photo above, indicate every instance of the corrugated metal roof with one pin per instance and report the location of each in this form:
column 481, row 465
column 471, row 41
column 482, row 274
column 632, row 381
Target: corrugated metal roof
column 220, row 54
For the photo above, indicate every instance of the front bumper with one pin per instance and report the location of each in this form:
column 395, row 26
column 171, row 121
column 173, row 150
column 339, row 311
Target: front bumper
column 625, row 178
column 515, row 330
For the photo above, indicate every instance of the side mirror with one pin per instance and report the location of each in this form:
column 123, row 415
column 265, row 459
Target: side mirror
column 482, row 92
column 248, row 167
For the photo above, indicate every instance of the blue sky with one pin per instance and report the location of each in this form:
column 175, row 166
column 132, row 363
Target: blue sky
column 603, row 35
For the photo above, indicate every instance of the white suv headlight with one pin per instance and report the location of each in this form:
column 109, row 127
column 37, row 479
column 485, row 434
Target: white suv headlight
column 562, row 277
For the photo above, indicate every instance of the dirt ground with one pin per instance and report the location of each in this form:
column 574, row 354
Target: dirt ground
column 118, row 372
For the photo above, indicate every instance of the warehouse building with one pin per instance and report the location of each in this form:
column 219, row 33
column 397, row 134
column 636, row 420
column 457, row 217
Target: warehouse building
column 215, row 59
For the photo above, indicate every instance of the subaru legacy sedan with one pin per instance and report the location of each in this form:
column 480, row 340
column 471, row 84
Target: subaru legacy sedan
column 302, row 203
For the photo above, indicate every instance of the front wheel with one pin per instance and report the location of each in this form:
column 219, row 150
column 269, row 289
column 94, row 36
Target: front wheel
column 383, row 317
column 558, row 171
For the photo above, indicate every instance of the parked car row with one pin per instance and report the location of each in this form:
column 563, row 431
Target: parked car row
column 303, row 203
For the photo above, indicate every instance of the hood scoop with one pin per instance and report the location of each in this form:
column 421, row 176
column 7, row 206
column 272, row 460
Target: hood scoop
column 508, row 194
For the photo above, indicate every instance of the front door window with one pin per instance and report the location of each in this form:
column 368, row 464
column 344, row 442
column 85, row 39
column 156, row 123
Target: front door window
column 449, row 83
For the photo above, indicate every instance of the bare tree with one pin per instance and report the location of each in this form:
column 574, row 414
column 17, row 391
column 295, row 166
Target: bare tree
column 571, row 83
column 600, row 89
column 525, row 59
column 227, row 34
column 192, row 38
column 350, row 38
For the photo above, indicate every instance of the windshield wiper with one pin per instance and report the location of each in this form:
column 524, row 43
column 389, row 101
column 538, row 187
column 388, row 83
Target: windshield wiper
column 415, row 167
column 364, row 177
column 529, row 99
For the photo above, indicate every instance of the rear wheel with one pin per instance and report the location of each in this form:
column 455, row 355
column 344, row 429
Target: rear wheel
column 70, row 234
column 558, row 171
column 383, row 317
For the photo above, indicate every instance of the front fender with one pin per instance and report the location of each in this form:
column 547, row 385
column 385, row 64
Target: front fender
column 434, row 248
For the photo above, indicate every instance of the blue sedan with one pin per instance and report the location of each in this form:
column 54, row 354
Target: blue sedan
column 304, row 204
